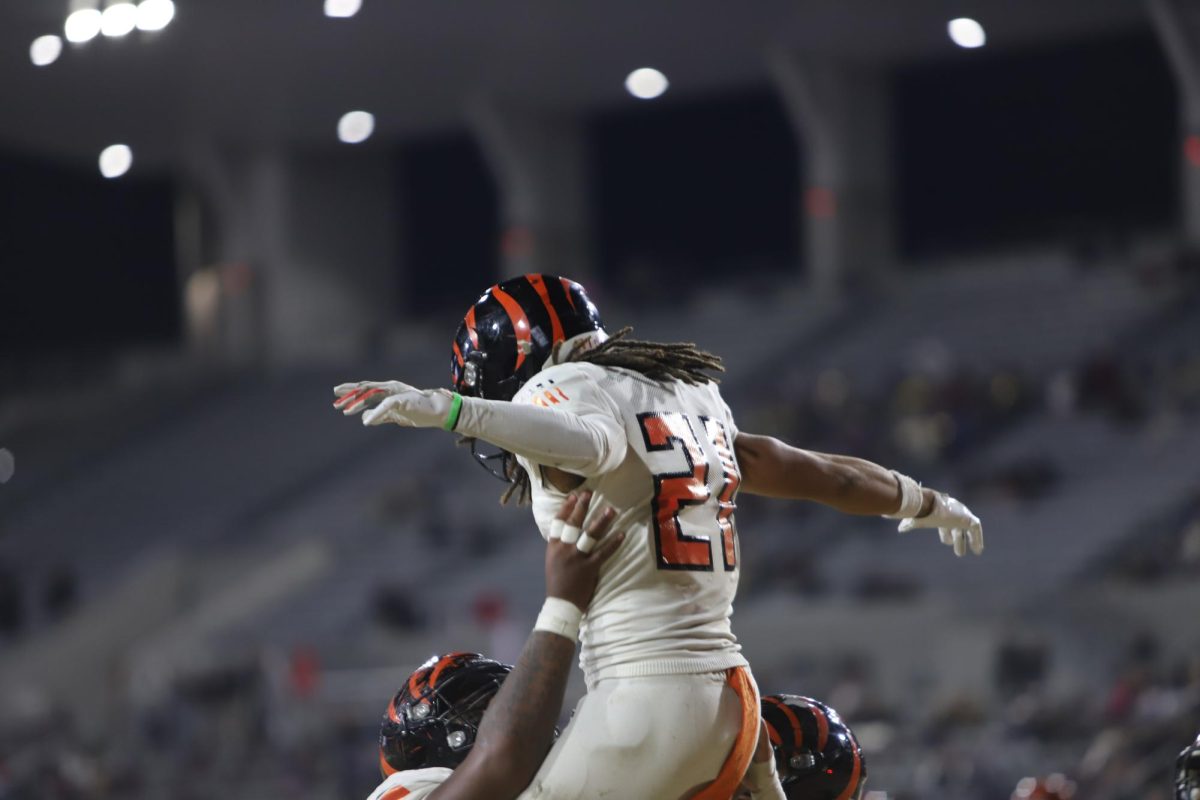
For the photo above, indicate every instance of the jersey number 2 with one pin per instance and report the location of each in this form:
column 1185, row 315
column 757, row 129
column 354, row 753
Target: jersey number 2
column 670, row 430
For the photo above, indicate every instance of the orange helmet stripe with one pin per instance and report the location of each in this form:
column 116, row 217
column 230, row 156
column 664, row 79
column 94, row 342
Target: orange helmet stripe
column 792, row 718
column 385, row 767
column 855, row 772
column 470, row 321
column 520, row 322
column 458, row 355
column 566, row 284
column 443, row 662
column 822, row 726
column 555, row 323
column 414, row 683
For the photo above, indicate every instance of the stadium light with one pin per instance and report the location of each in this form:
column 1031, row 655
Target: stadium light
column 356, row 126
column 966, row 32
column 342, row 9
column 646, row 83
column 45, row 50
column 115, row 160
column 83, row 25
column 119, row 19
column 154, row 15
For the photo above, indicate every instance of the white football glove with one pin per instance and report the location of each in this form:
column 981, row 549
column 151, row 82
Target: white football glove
column 955, row 523
column 395, row 402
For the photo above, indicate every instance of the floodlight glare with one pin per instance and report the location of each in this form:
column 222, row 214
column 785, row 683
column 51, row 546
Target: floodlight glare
column 646, row 83
column 45, row 50
column 356, row 126
column 966, row 32
column 342, row 8
column 115, row 160
column 154, row 15
column 118, row 19
column 83, row 25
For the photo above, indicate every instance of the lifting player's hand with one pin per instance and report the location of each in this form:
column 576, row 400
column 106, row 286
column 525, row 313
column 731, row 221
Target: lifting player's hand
column 395, row 402
column 956, row 525
column 574, row 554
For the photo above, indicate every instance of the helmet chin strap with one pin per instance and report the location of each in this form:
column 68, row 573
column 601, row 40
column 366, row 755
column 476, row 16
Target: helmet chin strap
column 580, row 341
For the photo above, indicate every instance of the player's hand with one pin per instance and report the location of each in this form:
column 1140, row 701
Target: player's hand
column 574, row 556
column 956, row 525
column 394, row 402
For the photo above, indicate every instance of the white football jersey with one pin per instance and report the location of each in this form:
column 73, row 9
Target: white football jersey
column 411, row 784
column 665, row 597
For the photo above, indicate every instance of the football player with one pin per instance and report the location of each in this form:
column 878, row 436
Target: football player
column 643, row 426
column 817, row 755
column 1187, row 772
column 465, row 727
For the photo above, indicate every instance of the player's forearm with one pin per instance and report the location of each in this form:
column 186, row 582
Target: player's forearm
column 518, row 727
column 585, row 445
column 850, row 485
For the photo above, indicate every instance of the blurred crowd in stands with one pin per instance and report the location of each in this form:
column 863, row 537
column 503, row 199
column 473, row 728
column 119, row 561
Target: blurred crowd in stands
column 264, row 728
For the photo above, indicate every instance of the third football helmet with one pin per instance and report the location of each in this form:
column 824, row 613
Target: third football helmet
column 510, row 332
column 816, row 753
column 433, row 719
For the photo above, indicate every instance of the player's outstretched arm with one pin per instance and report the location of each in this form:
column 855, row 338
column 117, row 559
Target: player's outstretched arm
column 580, row 435
column 518, row 727
column 851, row 485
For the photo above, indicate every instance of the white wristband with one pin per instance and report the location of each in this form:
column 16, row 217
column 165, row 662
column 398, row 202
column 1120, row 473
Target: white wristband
column 561, row 617
column 911, row 498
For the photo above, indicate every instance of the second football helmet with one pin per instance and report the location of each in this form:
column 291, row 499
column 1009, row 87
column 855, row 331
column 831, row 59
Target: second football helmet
column 433, row 719
column 1187, row 772
column 816, row 753
column 510, row 332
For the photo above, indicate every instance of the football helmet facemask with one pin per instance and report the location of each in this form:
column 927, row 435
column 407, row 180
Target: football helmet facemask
column 432, row 721
column 816, row 753
column 510, row 332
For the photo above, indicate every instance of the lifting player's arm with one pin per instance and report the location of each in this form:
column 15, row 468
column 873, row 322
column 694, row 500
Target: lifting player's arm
column 851, row 485
column 586, row 440
column 518, row 728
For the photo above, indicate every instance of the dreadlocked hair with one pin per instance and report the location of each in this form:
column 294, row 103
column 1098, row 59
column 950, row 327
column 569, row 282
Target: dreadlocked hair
column 674, row 361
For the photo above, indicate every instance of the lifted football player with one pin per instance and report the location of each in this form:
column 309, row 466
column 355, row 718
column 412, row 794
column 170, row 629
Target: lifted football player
column 644, row 427
column 464, row 727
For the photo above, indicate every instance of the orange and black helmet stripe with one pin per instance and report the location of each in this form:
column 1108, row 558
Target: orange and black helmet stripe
column 539, row 285
column 519, row 320
column 452, row 659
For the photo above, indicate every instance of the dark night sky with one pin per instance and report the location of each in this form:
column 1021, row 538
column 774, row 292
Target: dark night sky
column 86, row 264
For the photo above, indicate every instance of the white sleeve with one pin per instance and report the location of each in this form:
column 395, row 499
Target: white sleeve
column 560, row 419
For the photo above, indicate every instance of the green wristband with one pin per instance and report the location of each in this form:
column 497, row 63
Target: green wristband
column 455, row 409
